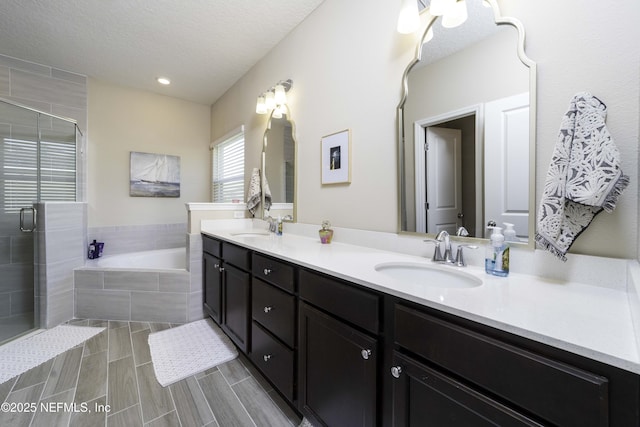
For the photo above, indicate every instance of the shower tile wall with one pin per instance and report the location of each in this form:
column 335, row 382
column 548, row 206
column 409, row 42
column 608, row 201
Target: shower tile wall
column 50, row 90
column 61, row 244
column 134, row 238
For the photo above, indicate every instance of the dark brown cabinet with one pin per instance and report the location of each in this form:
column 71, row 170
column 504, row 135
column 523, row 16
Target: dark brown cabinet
column 423, row 396
column 274, row 326
column 345, row 355
column 338, row 373
column 227, row 288
column 212, row 278
column 236, row 293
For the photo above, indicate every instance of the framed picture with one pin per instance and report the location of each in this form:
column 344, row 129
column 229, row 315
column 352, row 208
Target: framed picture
column 154, row 175
column 336, row 157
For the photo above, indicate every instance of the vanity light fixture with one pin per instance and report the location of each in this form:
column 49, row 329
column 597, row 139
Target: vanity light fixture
column 274, row 98
column 163, row 81
column 456, row 15
column 453, row 13
column 409, row 18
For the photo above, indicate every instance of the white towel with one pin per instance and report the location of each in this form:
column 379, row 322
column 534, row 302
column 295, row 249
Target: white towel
column 254, row 194
column 584, row 176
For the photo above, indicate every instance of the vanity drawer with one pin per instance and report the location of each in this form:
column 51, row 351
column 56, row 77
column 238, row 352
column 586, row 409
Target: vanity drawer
column 274, row 360
column 274, row 272
column 341, row 299
column 559, row 393
column 211, row 246
column 236, row 255
column 275, row 310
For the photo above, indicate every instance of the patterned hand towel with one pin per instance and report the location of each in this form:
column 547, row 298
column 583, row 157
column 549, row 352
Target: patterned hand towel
column 255, row 192
column 584, row 176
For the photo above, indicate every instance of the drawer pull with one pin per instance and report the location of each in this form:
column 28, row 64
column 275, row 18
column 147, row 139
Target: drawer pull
column 365, row 354
column 266, row 271
column 396, row 371
column 266, row 357
column 267, row 309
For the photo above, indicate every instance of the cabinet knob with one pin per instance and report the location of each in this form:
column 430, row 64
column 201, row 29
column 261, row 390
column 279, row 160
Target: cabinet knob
column 216, row 265
column 266, row 357
column 267, row 309
column 396, row 371
column 221, row 269
column 365, row 354
column 266, row 271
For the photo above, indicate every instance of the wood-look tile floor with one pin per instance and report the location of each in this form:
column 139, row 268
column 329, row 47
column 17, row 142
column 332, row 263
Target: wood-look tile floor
column 109, row 381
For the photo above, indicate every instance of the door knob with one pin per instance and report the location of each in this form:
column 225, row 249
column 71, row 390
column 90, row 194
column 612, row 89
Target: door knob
column 396, row 371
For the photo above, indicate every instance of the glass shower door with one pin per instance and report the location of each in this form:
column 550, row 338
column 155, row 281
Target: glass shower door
column 18, row 191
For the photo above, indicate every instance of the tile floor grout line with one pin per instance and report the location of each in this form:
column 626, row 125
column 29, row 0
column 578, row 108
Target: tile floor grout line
column 236, row 394
column 133, row 359
column 172, row 400
column 207, row 400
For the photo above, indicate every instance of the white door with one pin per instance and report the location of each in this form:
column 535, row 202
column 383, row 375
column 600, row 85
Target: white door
column 506, row 162
column 444, row 179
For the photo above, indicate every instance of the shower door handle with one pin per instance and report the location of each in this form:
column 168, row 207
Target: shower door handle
column 33, row 222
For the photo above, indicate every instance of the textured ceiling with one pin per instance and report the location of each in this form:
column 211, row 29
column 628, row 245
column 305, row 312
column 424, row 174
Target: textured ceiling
column 203, row 46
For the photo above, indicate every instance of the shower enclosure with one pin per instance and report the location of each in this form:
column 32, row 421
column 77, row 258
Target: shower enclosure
column 37, row 163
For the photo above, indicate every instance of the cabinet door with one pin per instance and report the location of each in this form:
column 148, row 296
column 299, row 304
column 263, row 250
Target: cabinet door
column 338, row 371
column 236, row 305
column 212, row 287
column 424, row 397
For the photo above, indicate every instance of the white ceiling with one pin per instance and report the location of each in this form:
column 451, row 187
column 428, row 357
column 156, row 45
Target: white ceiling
column 203, row 46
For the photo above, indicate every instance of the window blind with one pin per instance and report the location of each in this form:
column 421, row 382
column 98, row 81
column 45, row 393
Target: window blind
column 228, row 169
column 20, row 172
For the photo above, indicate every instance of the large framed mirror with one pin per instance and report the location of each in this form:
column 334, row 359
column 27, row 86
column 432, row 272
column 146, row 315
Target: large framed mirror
column 279, row 164
column 466, row 128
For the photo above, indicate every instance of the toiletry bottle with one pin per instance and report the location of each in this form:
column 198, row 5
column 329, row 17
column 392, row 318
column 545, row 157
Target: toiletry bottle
column 279, row 226
column 509, row 233
column 496, row 261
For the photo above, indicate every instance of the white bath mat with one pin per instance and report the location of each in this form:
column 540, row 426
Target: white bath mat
column 178, row 353
column 21, row 355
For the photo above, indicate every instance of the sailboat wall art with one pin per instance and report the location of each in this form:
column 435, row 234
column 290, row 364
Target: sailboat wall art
column 154, row 175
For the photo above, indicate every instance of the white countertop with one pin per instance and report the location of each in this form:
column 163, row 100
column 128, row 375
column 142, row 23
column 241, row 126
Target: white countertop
column 592, row 321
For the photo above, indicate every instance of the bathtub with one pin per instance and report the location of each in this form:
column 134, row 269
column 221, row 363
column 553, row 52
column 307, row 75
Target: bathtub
column 148, row 286
column 161, row 259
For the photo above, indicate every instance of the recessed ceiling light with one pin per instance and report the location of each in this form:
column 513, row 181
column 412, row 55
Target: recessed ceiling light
column 163, row 80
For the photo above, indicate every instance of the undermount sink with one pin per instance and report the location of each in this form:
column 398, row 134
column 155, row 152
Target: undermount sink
column 428, row 275
column 250, row 234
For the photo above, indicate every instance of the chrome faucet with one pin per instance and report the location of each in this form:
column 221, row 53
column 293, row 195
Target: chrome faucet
column 273, row 223
column 446, row 257
column 438, row 255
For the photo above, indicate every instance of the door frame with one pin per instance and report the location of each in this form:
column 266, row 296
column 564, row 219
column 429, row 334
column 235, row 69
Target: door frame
column 419, row 138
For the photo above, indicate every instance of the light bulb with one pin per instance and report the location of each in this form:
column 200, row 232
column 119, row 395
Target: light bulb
column 409, row 18
column 280, row 96
column 260, row 107
column 440, row 7
column 456, row 15
column 269, row 100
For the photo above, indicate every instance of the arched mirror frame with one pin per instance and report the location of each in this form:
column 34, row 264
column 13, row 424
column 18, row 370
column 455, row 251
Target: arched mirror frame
column 263, row 161
column 499, row 20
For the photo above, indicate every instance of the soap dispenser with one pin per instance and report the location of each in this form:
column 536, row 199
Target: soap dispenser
column 509, row 233
column 496, row 261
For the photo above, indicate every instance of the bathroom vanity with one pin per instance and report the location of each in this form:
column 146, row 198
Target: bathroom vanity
column 346, row 347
